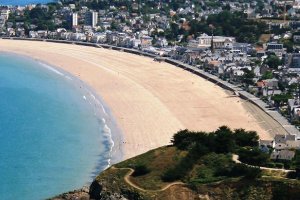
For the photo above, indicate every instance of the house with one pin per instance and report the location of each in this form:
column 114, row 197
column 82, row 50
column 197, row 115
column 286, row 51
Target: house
column 295, row 60
column 161, row 42
column 205, row 40
column 99, row 38
column 42, row 33
column 283, row 155
column 146, row 41
column 293, row 144
column 240, row 47
column 269, row 92
column 267, row 143
column 283, row 138
column 275, row 48
column 33, row 34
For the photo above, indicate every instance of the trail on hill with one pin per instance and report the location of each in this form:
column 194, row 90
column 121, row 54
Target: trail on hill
column 128, row 181
column 235, row 159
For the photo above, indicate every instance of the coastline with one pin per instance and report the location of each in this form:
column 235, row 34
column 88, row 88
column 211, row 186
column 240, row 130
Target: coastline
column 102, row 112
column 85, row 146
column 109, row 126
column 118, row 67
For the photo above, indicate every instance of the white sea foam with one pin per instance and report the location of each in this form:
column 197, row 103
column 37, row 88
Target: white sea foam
column 52, row 69
column 103, row 109
column 107, row 132
column 68, row 77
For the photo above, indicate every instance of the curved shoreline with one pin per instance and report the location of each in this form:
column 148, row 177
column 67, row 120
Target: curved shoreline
column 101, row 111
column 286, row 127
column 200, row 108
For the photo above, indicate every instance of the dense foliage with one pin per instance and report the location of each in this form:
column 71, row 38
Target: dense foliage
column 140, row 170
column 223, row 140
column 40, row 16
column 213, row 149
column 234, row 24
column 273, row 61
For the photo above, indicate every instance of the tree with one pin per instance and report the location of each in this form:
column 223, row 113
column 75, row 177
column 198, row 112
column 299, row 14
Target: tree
column 281, row 98
column 224, row 140
column 288, row 44
column 253, row 156
column 113, row 25
column 182, row 139
column 140, row 170
column 273, row 61
column 226, row 7
column 297, row 164
column 248, row 76
column 267, row 75
column 245, row 138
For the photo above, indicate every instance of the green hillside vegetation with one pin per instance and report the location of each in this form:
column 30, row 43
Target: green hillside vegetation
column 198, row 163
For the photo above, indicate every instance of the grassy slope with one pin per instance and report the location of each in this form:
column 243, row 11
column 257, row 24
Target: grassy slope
column 200, row 179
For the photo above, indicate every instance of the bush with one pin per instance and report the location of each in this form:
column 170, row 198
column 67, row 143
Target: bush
column 279, row 165
column 291, row 175
column 172, row 174
column 244, row 170
column 140, row 170
column 271, row 165
column 253, row 173
column 181, row 169
column 238, row 170
column 253, row 156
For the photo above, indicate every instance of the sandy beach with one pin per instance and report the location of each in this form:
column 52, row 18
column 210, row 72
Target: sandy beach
column 149, row 100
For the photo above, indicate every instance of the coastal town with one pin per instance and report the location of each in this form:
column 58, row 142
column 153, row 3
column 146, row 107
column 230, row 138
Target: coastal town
column 253, row 45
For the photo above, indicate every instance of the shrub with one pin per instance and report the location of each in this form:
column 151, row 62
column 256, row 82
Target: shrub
column 140, row 170
column 253, row 173
column 238, row 170
column 279, row 165
column 253, row 156
column 291, row 175
column 244, row 170
column 271, row 165
column 172, row 174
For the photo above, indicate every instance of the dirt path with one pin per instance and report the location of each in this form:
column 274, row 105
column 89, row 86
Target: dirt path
column 128, row 181
column 235, row 158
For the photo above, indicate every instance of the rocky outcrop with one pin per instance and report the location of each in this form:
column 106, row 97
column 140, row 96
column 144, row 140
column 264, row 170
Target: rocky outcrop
column 99, row 191
column 81, row 194
column 95, row 190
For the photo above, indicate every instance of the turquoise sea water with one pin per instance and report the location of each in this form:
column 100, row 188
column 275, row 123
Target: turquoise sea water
column 23, row 2
column 50, row 139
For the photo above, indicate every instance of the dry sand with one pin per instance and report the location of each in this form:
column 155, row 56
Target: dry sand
column 149, row 100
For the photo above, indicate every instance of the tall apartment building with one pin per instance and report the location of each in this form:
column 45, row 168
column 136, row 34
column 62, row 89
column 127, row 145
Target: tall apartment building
column 91, row 18
column 74, row 19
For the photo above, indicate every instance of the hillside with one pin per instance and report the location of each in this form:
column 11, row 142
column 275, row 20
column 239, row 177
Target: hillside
column 197, row 166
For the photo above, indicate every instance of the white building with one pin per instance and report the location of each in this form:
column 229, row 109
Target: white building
column 5, row 14
column 74, row 19
column 99, row 38
column 275, row 48
column 204, row 41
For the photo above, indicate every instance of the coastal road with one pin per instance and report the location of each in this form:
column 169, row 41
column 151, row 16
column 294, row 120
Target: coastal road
column 263, row 119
